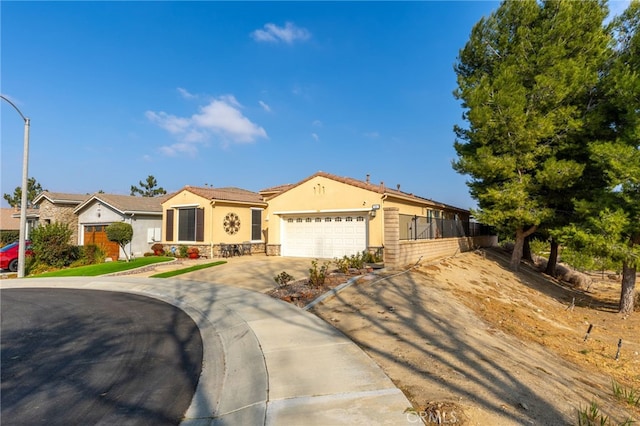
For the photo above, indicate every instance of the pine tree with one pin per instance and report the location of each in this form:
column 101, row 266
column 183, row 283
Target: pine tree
column 611, row 217
column 33, row 189
column 148, row 188
column 525, row 78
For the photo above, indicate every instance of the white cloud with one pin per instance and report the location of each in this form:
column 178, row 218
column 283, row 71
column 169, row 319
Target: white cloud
column 221, row 119
column 171, row 123
column 316, row 123
column 178, row 148
column 287, row 34
column 224, row 118
column 185, row 94
column 265, row 106
column 315, row 137
column 372, row 135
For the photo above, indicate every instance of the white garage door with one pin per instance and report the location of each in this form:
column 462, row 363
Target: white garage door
column 325, row 237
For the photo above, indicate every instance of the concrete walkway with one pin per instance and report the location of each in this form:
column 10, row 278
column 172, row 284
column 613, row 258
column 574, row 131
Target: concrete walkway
column 265, row 362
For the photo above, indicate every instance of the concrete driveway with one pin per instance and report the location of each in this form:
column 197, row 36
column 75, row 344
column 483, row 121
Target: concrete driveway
column 254, row 272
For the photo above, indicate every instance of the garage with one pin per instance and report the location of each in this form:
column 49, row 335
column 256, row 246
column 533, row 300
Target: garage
column 324, row 236
column 97, row 235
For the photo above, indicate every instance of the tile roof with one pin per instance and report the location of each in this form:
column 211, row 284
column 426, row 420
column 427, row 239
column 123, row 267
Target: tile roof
column 274, row 190
column 7, row 220
column 380, row 188
column 226, row 194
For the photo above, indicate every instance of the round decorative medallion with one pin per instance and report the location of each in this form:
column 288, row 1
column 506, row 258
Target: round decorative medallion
column 231, row 223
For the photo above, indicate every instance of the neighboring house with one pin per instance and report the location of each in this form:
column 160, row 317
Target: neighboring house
column 58, row 207
column 328, row 216
column 98, row 211
column 211, row 217
column 9, row 225
column 9, row 222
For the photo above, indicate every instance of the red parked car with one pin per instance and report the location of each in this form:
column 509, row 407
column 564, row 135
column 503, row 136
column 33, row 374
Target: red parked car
column 9, row 256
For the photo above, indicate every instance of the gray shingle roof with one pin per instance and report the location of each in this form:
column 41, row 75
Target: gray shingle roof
column 62, row 197
column 127, row 203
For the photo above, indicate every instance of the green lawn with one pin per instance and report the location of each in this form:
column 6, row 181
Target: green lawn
column 104, row 268
column 170, row 274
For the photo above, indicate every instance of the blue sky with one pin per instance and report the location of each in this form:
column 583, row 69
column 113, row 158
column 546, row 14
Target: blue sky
column 246, row 94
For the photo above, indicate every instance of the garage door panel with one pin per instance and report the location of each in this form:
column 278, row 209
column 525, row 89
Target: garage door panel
column 324, row 237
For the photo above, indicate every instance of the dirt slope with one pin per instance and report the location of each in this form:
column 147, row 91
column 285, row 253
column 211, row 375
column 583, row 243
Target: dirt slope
column 472, row 343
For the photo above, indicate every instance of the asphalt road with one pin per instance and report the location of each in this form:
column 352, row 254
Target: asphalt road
column 72, row 357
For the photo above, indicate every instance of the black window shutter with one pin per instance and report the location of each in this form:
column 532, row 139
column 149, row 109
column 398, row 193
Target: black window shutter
column 169, row 230
column 256, row 225
column 200, row 225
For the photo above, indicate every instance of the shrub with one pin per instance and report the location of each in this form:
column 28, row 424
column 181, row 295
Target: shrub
column 51, row 246
column 539, row 247
column 342, row 264
column 29, row 264
column 7, row 237
column 317, row 274
column 355, row 261
column 283, row 279
column 158, row 249
column 182, row 251
column 92, row 254
column 371, row 257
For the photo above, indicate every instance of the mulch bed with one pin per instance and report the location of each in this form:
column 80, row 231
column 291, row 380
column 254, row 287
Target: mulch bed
column 302, row 292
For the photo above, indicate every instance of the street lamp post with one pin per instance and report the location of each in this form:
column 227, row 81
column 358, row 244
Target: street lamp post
column 23, row 203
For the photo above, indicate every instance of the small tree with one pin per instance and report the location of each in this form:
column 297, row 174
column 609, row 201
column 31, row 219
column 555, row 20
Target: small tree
column 121, row 233
column 148, row 188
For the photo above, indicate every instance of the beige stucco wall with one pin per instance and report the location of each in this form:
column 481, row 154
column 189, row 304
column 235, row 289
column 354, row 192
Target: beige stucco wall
column 322, row 195
column 184, row 199
column 218, row 213
column 422, row 250
column 214, row 214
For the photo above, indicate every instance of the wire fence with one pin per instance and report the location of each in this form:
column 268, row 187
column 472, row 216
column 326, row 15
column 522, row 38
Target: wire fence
column 431, row 228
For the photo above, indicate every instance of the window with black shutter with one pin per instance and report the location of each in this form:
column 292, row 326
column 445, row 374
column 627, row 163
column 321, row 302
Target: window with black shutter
column 256, row 225
column 169, row 225
column 200, row 225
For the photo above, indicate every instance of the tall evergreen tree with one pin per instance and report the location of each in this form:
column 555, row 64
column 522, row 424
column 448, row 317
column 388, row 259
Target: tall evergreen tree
column 148, row 188
column 525, row 78
column 611, row 225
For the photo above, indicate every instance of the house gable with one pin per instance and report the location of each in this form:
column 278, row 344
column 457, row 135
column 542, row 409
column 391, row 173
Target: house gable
column 59, row 207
